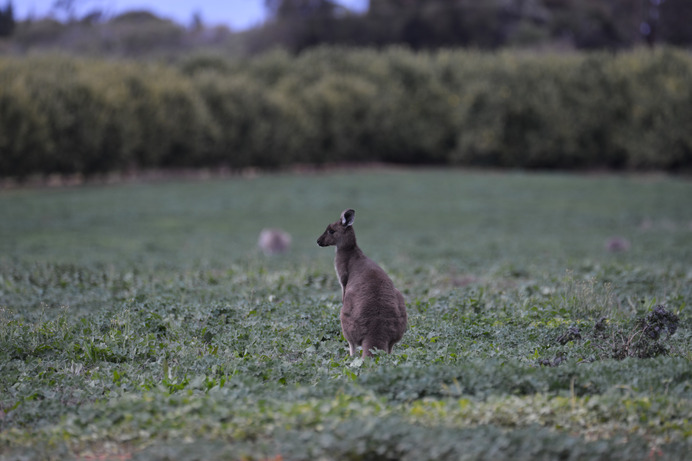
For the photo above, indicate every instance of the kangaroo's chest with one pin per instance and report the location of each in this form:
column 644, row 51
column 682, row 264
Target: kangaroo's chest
column 343, row 279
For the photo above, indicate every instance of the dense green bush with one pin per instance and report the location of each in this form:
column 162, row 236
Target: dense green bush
column 72, row 115
column 75, row 116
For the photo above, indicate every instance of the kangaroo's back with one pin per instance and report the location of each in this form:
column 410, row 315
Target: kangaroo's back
column 373, row 314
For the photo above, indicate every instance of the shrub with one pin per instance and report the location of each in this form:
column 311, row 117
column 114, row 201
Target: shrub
column 654, row 129
column 251, row 121
column 173, row 123
column 73, row 115
column 24, row 134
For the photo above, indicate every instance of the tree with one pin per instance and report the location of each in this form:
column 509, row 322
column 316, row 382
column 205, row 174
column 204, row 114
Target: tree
column 197, row 23
column 435, row 23
column 298, row 24
column 675, row 22
column 7, row 22
column 67, row 6
column 302, row 9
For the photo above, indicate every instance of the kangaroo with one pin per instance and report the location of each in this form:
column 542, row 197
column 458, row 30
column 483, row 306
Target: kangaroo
column 373, row 314
column 274, row 241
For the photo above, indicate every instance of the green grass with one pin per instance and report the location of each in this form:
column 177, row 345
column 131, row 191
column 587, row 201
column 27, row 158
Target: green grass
column 141, row 320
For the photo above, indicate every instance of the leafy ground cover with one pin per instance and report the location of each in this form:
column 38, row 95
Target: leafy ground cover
column 549, row 318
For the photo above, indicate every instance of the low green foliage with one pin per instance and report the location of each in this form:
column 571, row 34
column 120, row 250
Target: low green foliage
column 87, row 116
column 152, row 328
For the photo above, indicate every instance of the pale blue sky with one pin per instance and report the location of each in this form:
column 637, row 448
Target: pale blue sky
column 238, row 14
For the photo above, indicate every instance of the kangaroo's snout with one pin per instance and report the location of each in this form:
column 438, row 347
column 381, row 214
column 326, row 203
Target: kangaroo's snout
column 335, row 233
column 373, row 314
column 322, row 240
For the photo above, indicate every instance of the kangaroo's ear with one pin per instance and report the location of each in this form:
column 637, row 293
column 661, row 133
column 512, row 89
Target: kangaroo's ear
column 347, row 217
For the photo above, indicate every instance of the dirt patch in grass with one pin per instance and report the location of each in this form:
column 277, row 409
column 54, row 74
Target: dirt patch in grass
column 646, row 339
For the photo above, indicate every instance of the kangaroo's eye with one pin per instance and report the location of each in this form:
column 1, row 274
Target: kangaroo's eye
column 331, row 231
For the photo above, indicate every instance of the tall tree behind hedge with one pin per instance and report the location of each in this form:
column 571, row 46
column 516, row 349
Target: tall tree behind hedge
column 300, row 24
column 7, row 23
column 490, row 24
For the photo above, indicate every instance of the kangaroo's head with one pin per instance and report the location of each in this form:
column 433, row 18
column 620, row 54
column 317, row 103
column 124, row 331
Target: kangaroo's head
column 340, row 233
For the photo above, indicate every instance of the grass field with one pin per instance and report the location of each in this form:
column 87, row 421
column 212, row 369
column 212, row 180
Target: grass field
column 141, row 322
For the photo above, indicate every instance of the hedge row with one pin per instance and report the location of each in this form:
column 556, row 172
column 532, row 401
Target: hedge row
column 74, row 115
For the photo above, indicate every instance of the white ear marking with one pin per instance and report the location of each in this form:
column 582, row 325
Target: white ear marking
column 347, row 217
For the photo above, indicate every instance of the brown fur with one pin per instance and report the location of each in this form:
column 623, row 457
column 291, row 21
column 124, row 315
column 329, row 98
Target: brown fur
column 373, row 314
column 274, row 241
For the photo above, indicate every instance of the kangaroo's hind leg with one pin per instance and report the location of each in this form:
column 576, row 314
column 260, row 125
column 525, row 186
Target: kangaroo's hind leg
column 351, row 348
